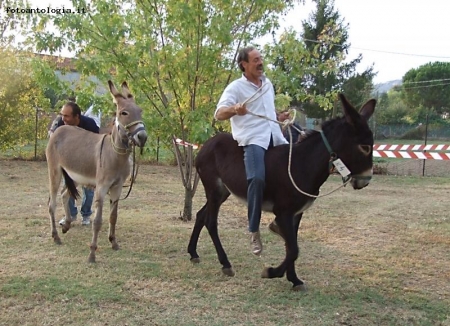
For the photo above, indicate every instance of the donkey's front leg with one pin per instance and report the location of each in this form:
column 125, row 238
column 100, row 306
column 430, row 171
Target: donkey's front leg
column 291, row 275
column 286, row 228
column 114, row 205
column 97, row 225
column 114, row 195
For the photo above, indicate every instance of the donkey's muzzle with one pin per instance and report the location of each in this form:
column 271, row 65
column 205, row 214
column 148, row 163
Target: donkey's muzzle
column 362, row 180
column 140, row 138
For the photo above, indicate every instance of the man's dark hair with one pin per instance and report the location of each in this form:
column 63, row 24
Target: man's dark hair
column 243, row 56
column 75, row 108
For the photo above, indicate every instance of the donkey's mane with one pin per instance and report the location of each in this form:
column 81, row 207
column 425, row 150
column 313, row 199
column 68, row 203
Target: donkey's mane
column 309, row 132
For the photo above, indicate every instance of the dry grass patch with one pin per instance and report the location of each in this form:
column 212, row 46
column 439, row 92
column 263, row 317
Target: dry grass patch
column 378, row 256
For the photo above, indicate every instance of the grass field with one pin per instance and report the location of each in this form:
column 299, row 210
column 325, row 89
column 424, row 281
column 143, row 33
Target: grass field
column 378, row 256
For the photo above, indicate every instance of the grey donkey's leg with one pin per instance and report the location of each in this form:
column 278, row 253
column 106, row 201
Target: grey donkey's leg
column 114, row 206
column 55, row 177
column 100, row 193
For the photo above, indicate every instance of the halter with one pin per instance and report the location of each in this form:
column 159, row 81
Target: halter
column 126, row 129
column 126, row 150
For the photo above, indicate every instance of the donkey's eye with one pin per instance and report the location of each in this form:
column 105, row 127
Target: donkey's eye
column 365, row 149
column 124, row 113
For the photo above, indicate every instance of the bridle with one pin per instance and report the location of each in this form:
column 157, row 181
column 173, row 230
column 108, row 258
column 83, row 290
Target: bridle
column 125, row 130
column 129, row 136
column 333, row 156
column 331, row 168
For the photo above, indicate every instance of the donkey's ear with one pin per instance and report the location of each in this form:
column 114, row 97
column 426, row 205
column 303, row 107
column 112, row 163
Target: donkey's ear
column 367, row 109
column 126, row 91
column 351, row 115
column 113, row 90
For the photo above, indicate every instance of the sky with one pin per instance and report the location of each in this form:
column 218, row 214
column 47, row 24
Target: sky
column 394, row 35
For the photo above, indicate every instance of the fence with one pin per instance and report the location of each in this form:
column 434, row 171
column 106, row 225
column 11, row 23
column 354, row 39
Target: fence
column 425, row 160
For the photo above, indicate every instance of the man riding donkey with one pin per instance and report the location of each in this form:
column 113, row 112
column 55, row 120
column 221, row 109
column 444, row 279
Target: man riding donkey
column 241, row 102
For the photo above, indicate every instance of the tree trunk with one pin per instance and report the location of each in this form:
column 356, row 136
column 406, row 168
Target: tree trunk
column 189, row 177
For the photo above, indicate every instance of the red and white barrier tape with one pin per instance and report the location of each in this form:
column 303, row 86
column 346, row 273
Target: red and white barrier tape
column 432, row 147
column 413, row 155
column 185, row 143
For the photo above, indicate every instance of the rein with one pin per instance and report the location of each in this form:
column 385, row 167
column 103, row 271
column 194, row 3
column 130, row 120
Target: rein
column 288, row 122
column 332, row 155
column 133, row 177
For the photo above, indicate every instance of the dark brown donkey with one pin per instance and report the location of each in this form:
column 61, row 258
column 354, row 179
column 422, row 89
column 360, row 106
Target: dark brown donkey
column 100, row 161
column 220, row 164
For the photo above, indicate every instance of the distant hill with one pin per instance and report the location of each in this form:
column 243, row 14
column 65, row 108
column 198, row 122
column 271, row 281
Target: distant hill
column 384, row 87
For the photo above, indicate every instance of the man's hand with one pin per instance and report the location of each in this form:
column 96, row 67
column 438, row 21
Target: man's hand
column 240, row 109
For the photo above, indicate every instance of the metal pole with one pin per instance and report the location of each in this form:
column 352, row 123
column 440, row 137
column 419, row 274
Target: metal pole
column 426, row 137
column 157, row 150
column 36, row 135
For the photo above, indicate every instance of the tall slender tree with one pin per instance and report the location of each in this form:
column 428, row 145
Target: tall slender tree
column 326, row 20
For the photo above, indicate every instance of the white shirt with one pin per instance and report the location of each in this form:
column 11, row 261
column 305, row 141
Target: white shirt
column 248, row 129
column 97, row 117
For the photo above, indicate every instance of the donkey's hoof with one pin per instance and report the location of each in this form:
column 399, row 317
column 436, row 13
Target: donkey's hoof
column 91, row 259
column 57, row 241
column 299, row 288
column 115, row 246
column 228, row 271
column 65, row 228
column 195, row 260
column 265, row 273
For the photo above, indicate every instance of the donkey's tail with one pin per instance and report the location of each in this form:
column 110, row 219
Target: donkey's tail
column 71, row 187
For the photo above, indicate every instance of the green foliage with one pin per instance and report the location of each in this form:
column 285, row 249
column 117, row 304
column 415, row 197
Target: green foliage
column 428, row 86
column 22, row 101
column 326, row 38
column 176, row 56
column 11, row 23
column 391, row 109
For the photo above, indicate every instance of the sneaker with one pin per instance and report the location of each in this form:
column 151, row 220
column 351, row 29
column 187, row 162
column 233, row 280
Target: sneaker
column 86, row 221
column 256, row 243
column 63, row 220
column 273, row 227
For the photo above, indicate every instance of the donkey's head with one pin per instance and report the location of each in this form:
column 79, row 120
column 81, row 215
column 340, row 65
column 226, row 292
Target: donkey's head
column 128, row 115
column 353, row 141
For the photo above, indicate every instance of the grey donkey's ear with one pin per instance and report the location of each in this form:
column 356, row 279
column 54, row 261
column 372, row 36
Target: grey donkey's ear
column 113, row 90
column 126, row 91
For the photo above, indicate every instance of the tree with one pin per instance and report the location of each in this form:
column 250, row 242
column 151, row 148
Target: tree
column 428, row 86
column 293, row 63
column 21, row 101
column 11, row 22
column 177, row 55
column 325, row 20
column 391, row 109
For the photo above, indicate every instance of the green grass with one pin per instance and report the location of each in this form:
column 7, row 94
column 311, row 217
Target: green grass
column 377, row 256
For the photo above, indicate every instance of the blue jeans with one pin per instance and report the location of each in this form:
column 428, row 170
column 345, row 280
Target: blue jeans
column 255, row 171
column 86, row 203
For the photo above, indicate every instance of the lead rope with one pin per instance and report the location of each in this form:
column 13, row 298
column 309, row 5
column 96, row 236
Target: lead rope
column 292, row 179
column 132, row 173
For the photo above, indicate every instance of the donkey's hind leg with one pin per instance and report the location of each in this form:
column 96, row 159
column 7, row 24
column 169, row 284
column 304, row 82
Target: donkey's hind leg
column 55, row 177
column 215, row 200
column 68, row 219
column 198, row 226
column 287, row 229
